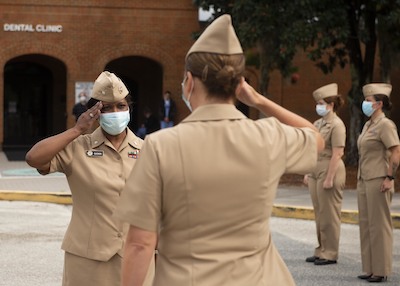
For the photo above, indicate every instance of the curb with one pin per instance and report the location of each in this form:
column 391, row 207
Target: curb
column 44, row 197
column 283, row 211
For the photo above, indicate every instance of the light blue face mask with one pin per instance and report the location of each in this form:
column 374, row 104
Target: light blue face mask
column 114, row 122
column 367, row 108
column 186, row 101
column 321, row 109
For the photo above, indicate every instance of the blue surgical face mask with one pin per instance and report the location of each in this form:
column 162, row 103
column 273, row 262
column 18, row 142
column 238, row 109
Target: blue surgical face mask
column 367, row 108
column 114, row 122
column 321, row 109
column 186, row 101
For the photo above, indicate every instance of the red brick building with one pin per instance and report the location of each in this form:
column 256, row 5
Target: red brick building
column 49, row 47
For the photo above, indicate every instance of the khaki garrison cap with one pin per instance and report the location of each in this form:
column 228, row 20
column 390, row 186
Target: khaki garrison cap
column 109, row 88
column 325, row 91
column 377, row 88
column 219, row 38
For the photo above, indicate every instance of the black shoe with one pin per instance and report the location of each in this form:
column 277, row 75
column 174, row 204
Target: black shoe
column 323, row 261
column 364, row 276
column 377, row 279
column 311, row 259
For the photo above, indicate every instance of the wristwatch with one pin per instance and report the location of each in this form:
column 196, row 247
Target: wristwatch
column 390, row 177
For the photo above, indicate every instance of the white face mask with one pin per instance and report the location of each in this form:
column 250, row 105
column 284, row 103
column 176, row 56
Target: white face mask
column 321, row 109
column 82, row 99
column 186, row 101
column 114, row 122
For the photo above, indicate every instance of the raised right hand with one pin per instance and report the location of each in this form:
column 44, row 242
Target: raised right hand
column 247, row 94
column 86, row 120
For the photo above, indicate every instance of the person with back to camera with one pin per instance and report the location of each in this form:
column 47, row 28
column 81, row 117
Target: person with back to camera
column 327, row 181
column 210, row 213
column 96, row 166
column 379, row 155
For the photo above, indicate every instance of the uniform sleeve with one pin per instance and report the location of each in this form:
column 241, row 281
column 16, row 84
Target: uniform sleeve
column 301, row 150
column 338, row 137
column 62, row 161
column 140, row 202
column 389, row 135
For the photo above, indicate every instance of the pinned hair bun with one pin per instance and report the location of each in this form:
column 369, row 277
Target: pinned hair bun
column 225, row 77
column 219, row 73
column 226, row 73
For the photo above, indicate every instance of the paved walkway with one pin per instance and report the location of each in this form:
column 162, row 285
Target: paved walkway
column 18, row 181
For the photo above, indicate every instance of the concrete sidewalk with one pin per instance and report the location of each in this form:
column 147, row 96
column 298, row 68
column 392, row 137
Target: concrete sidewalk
column 20, row 182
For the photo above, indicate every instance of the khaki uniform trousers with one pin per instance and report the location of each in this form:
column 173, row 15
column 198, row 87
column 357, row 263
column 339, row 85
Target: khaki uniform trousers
column 376, row 229
column 327, row 205
column 81, row 271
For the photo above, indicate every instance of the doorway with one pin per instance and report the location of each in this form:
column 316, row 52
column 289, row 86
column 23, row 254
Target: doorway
column 34, row 102
column 144, row 79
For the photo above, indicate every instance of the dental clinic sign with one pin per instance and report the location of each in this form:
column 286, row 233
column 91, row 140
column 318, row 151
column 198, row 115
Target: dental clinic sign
column 40, row 28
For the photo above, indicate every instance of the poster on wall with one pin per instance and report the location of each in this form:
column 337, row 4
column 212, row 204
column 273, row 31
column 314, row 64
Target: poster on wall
column 83, row 88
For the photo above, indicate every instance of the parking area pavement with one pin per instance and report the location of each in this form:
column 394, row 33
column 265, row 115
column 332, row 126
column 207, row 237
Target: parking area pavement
column 32, row 232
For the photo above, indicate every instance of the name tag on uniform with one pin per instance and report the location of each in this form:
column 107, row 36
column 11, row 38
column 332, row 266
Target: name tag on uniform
column 134, row 154
column 94, row 153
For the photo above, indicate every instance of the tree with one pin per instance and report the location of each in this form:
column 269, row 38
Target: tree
column 259, row 25
column 334, row 33
column 354, row 41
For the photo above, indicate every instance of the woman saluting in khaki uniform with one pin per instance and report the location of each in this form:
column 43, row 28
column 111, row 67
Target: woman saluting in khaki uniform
column 210, row 212
column 379, row 154
column 326, row 182
column 96, row 166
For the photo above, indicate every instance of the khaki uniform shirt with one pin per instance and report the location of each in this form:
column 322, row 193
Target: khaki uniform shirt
column 96, row 174
column 373, row 143
column 333, row 131
column 208, row 185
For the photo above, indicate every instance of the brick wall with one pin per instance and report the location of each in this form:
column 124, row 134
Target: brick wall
column 97, row 32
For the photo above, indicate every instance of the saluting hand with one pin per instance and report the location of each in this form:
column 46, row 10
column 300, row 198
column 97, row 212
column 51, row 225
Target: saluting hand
column 86, row 120
column 247, row 94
